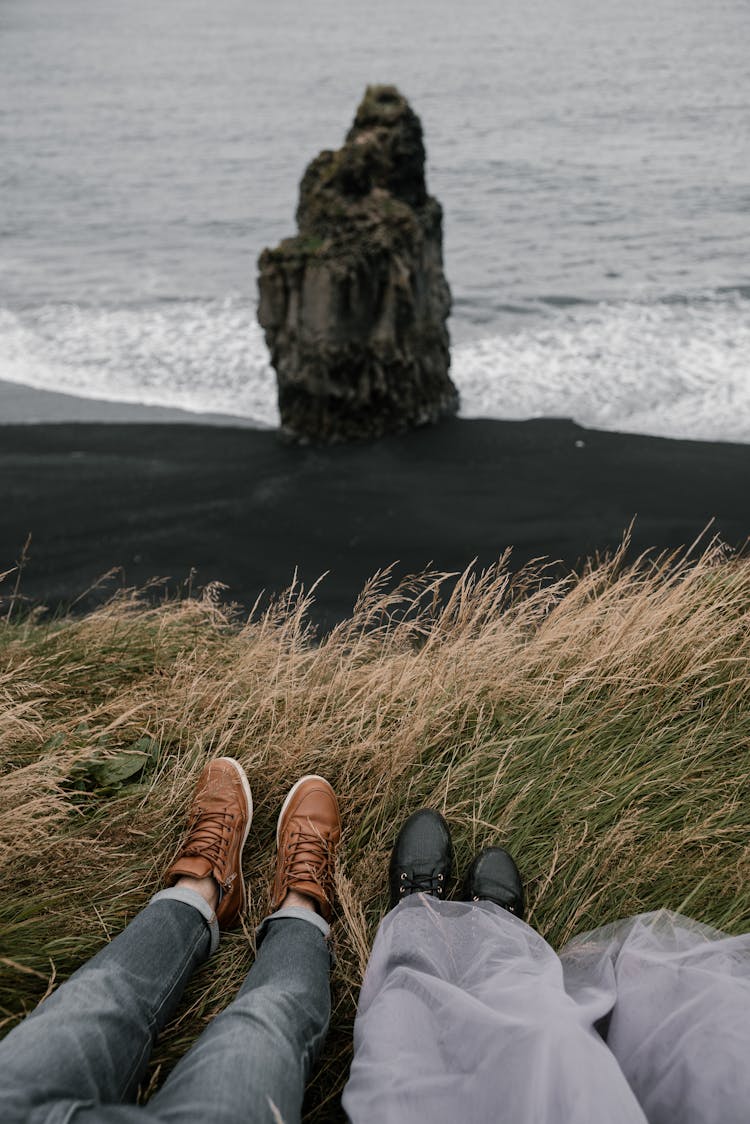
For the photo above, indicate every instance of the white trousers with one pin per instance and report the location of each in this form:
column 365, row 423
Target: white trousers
column 467, row 1015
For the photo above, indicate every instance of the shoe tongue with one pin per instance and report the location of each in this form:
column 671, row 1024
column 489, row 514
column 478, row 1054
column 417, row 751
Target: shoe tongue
column 194, row 866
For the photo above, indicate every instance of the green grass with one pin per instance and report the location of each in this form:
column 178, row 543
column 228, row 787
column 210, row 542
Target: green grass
column 598, row 726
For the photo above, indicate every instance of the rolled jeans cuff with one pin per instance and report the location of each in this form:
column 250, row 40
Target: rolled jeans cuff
column 193, row 898
column 292, row 911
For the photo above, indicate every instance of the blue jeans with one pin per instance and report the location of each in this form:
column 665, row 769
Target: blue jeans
column 84, row 1050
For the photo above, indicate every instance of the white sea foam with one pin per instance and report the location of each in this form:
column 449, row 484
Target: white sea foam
column 679, row 369
column 200, row 356
column 666, row 369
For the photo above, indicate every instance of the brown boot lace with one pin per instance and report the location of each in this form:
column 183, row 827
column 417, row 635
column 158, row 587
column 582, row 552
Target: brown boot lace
column 309, row 857
column 209, row 837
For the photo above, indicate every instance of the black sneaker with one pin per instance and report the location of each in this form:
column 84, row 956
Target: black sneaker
column 422, row 857
column 494, row 877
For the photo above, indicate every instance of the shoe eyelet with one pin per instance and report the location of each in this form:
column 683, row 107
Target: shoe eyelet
column 440, row 877
column 403, row 876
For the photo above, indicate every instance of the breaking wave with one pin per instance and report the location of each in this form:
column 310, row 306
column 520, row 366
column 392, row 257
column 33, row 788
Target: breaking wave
column 195, row 355
column 674, row 368
column 669, row 369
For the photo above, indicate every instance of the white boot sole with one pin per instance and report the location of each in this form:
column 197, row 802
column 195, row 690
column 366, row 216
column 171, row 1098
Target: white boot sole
column 249, row 798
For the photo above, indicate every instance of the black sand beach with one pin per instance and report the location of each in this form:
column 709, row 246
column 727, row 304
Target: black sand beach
column 240, row 507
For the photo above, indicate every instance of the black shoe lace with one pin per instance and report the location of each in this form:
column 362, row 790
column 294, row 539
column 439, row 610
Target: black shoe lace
column 422, row 884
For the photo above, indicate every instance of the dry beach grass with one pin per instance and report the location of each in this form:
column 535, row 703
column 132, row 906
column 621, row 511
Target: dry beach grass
column 597, row 725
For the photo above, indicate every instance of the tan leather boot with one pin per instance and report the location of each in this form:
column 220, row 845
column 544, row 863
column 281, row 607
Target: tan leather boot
column 218, row 823
column 307, row 836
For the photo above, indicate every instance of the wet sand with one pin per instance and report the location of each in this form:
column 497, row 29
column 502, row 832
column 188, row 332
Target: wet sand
column 238, row 506
column 23, row 405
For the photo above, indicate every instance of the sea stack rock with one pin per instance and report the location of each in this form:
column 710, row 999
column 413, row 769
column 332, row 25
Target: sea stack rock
column 354, row 307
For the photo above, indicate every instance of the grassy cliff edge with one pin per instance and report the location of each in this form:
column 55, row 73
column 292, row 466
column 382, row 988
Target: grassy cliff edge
column 597, row 725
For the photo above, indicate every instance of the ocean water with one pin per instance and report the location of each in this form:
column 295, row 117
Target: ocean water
column 592, row 159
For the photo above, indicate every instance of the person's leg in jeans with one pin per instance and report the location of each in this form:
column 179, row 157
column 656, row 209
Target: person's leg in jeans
column 463, row 1012
column 253, row 1061
column 89, row 1042
column 87, row 1046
